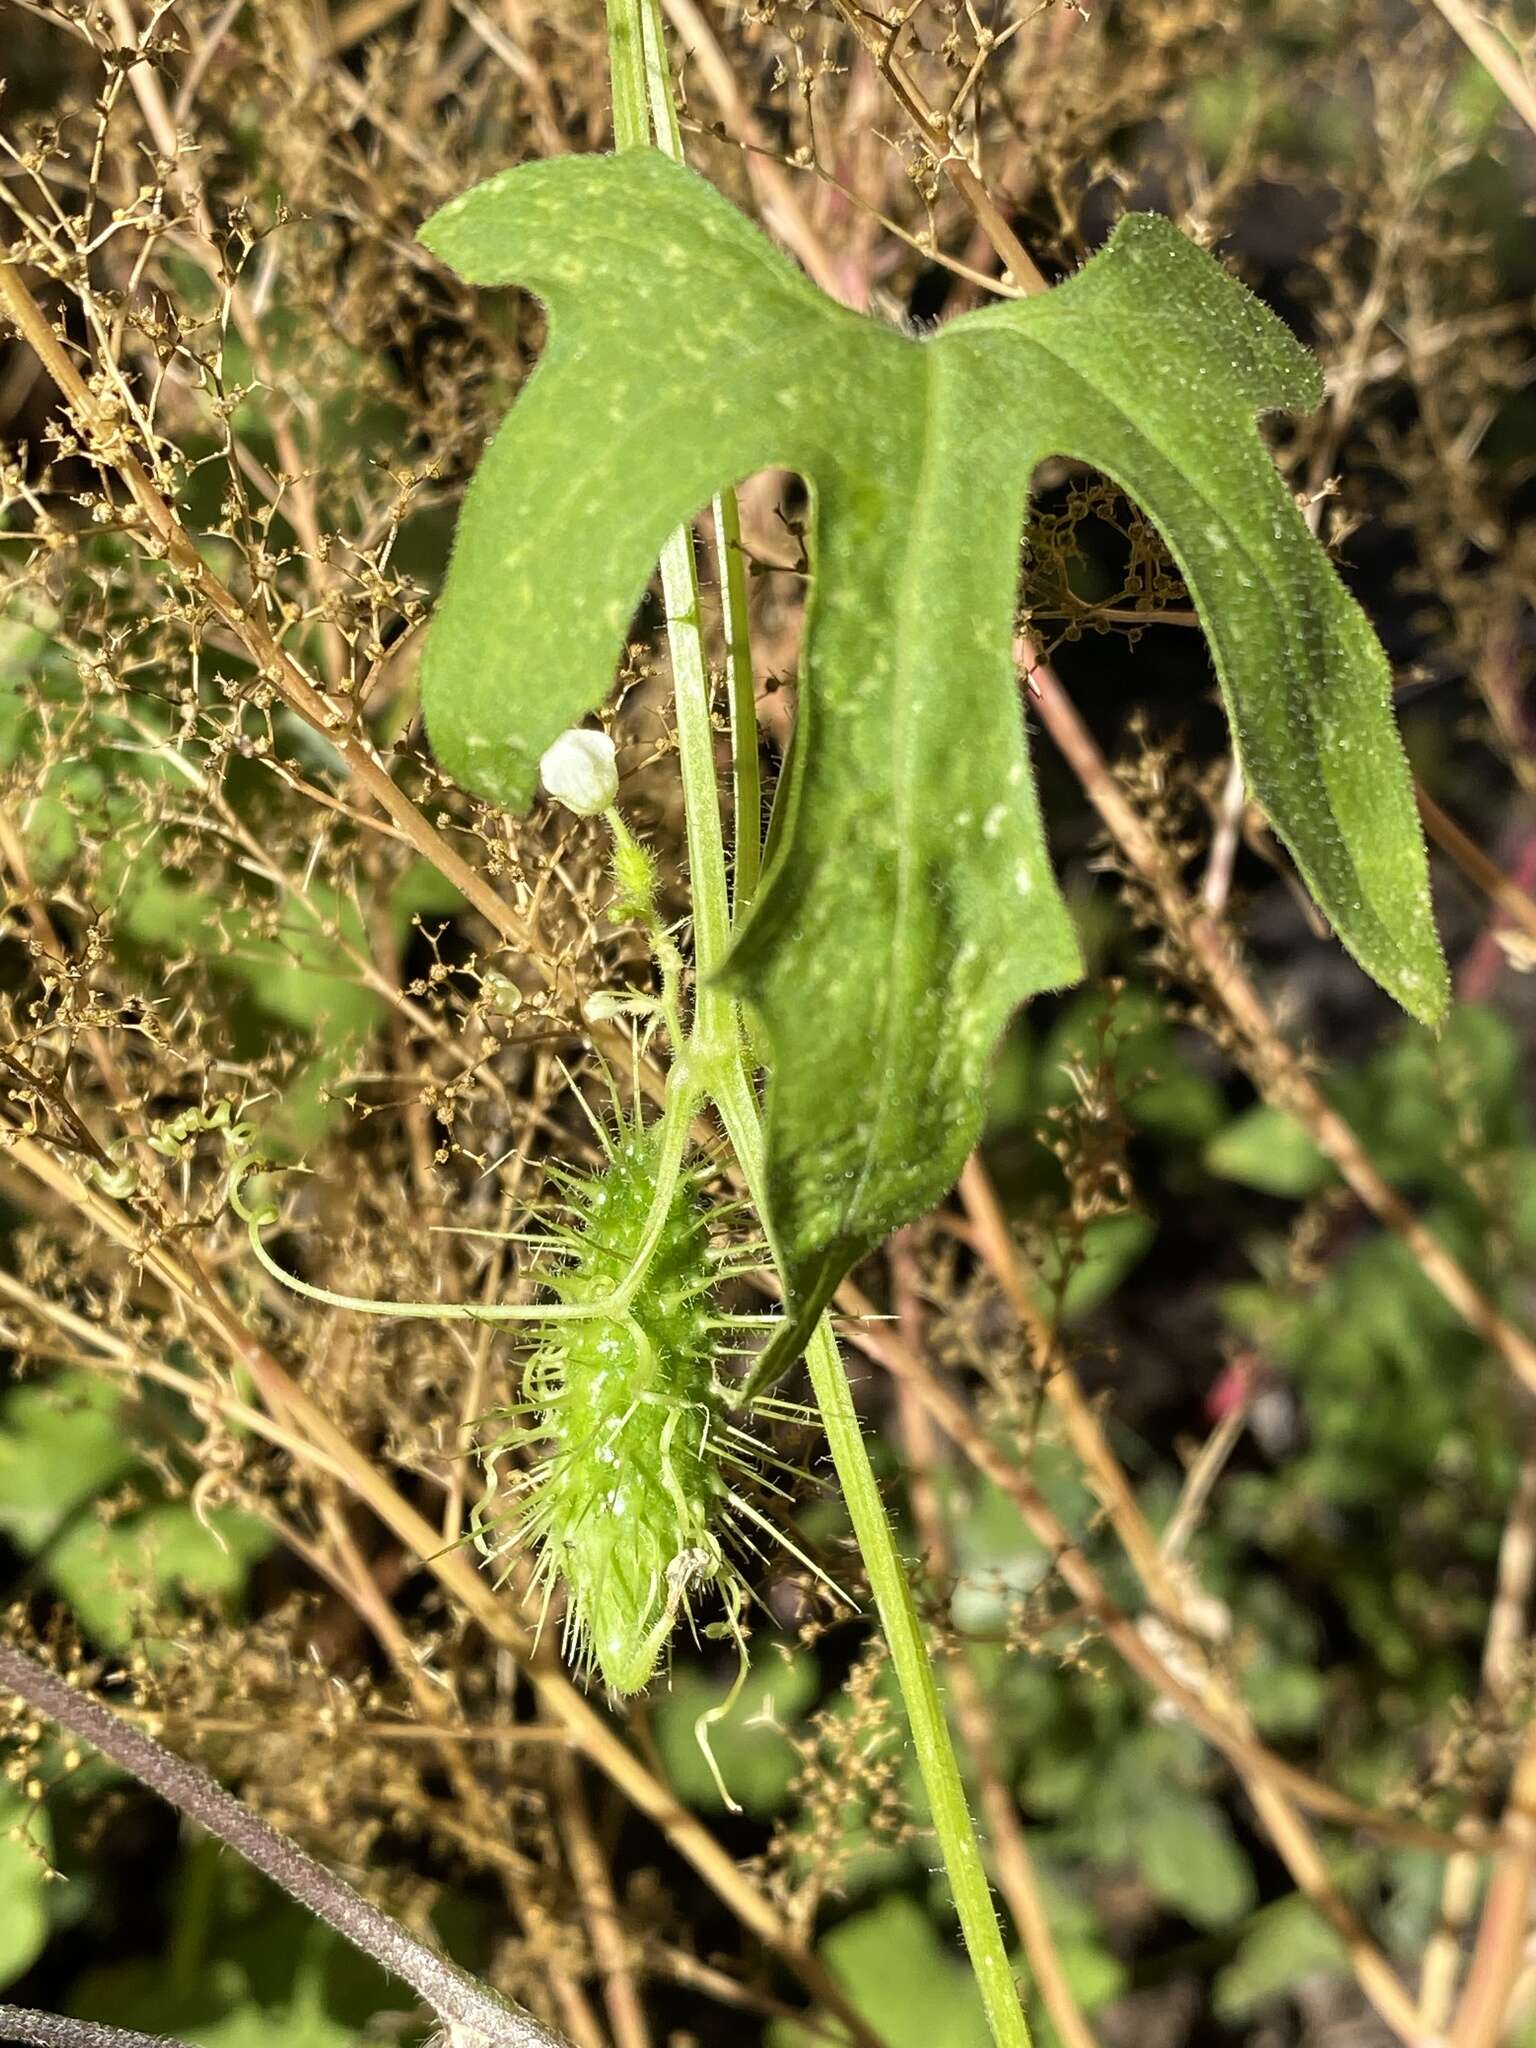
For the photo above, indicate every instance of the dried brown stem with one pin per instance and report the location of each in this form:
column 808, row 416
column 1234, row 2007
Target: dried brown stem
column 438, row 1713
column 1506, row 1630
column 772, row 184
column 1484, row 873
column 600, row 1909
column 162, row 124
column 1245, row 1753
column 1505, row 1926
column 1495, row 55
column 1274, row 1067
column 1105, row 1474
column 164, row 534
column 939, row 138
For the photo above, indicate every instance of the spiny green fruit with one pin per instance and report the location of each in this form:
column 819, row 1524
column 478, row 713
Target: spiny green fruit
column 628, row 1489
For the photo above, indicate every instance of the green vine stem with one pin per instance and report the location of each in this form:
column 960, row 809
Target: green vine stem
column 936, row 1759
column 681, row 1101
column 635, row 42
column 747, row 786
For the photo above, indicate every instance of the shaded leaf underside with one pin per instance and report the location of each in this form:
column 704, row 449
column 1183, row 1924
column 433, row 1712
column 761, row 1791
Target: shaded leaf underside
column 910, row 904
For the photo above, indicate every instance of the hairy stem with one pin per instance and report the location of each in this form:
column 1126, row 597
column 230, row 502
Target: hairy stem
column 454, row 1996
column 53, row 2030
column 899, row 1620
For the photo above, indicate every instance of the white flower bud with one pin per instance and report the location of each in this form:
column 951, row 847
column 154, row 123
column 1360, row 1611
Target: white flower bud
column 578, row 771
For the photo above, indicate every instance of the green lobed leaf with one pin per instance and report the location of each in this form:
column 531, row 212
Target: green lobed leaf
column 909, row 903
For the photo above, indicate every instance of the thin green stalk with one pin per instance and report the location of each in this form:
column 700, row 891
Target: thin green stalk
column 658, row 82
column 683, row 1092
column 696, row 747
column 657, row 85
column 746, row 773
column 942, row 1782
column 716, row 1042
column 627, row 81
column 641, row 93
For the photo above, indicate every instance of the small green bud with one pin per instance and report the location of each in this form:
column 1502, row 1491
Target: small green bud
column 504, row 996
column 634, row 878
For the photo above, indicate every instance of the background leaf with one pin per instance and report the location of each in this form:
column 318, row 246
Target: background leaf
column 1267, row 1149
column 63, row 1443
column 911, row 1989
column 23, row 1886
column 1190, row 1861
column 1287, row 1944
column 60, row 1444
column 751, row 1743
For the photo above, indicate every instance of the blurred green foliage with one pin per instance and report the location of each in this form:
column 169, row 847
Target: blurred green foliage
column 244, row 1969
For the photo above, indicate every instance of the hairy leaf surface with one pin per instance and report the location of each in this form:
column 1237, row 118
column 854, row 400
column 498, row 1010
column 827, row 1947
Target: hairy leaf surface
column 909, row 904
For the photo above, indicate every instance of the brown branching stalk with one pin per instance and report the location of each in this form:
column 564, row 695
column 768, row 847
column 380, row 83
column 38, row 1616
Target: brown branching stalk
column 163, row 534
column 605, row 1929
column 1274, row 1066
column 1507, row 1628
column 1181, row 1607
column 1276, row 1788
column 939, row 133
column 436, row 1709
